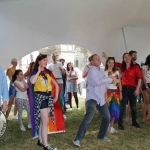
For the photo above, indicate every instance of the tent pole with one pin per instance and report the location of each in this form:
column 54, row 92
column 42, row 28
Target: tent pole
column 124, row 39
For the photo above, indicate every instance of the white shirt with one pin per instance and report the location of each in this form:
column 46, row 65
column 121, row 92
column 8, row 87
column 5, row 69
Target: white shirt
column 20, row 94
column 97, row 84
column 147, row 73
column 55, row 70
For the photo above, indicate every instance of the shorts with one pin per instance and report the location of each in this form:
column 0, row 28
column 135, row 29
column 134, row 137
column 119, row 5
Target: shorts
column 144, row 87
column 44, row 104
column 12, row 91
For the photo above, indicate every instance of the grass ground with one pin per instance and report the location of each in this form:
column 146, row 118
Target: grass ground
column 129, row 139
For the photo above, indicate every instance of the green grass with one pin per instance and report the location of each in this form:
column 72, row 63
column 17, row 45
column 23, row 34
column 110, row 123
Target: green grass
column 129, row 139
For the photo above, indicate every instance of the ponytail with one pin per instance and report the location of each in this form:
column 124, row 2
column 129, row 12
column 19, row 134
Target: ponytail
column 14, row 77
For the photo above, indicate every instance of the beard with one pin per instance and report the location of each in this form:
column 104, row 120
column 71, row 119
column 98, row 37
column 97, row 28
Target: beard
column 134, row 59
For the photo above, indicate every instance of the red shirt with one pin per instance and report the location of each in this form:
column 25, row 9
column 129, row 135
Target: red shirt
column 130, row 75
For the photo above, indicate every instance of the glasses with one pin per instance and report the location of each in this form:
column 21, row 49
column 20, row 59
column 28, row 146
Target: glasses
column 21, row 74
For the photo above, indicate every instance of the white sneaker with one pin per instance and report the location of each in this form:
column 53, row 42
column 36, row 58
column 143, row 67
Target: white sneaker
column 111, row 130
column 15, row 117
column 29, row 126
column 65, row 117
column 115, row 130
column 23, row 128
column 79, row 108
column 69, row 109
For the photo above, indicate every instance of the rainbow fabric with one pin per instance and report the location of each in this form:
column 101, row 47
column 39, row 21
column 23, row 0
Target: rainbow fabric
column 114, row 103
column 59, row 125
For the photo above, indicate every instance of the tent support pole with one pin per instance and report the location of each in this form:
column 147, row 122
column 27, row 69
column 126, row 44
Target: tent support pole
column 124, row 39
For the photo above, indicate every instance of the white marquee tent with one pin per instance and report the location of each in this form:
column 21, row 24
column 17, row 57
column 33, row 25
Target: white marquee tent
column 113, row 26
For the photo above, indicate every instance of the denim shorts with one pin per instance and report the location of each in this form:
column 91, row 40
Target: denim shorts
column 44, row 103
column 12, row 91
column 144, row 87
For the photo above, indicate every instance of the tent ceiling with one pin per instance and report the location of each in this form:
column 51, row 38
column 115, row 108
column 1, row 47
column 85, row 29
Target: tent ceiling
column 28, row 25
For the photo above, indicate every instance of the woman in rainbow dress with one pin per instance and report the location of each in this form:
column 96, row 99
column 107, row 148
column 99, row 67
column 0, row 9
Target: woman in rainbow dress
column 114, row 93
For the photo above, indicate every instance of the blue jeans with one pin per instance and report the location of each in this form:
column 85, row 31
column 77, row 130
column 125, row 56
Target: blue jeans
column 90, row 111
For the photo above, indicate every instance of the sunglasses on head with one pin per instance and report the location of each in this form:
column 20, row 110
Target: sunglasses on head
column 40, row 55
column 111, row 57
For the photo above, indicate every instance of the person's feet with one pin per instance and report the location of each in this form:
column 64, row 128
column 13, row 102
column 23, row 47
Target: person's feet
column 48, row 147
column 106, row 139
column 135, row 124
column 120, row 127
column 15, row 117
column 111, row 130
column 69, row 109
column 65, row 117
column 76, row 142
column 39, row 143
column 128, row 121
column 29, row 126
column 22, row 128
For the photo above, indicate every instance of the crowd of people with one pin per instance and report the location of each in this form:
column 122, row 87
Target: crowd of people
column 111, row 90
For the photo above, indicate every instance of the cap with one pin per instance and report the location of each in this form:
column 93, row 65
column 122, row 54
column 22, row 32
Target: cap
column 14, row 60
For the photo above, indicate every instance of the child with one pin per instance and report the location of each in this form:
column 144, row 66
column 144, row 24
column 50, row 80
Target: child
column 21, row 97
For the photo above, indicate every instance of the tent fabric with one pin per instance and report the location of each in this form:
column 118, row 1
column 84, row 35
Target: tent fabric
column 26, row 26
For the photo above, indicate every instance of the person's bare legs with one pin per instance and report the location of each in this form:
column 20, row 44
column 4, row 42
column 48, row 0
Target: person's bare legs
column 76, row 99
column 15, row 107
column 43, row 125
column 112, row 122
column 11, row 100
column 128, row 110
column 146, row 107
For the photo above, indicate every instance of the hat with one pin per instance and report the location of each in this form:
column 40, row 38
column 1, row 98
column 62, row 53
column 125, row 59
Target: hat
column 14, row 60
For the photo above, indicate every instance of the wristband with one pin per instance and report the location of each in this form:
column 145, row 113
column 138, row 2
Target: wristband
column 147, row 87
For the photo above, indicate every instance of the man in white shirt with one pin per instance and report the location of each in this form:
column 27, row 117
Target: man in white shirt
column 96, row 96
column 57, row 70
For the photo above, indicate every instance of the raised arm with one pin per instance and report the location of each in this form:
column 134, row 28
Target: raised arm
column 85, row 72
column 68, row 73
